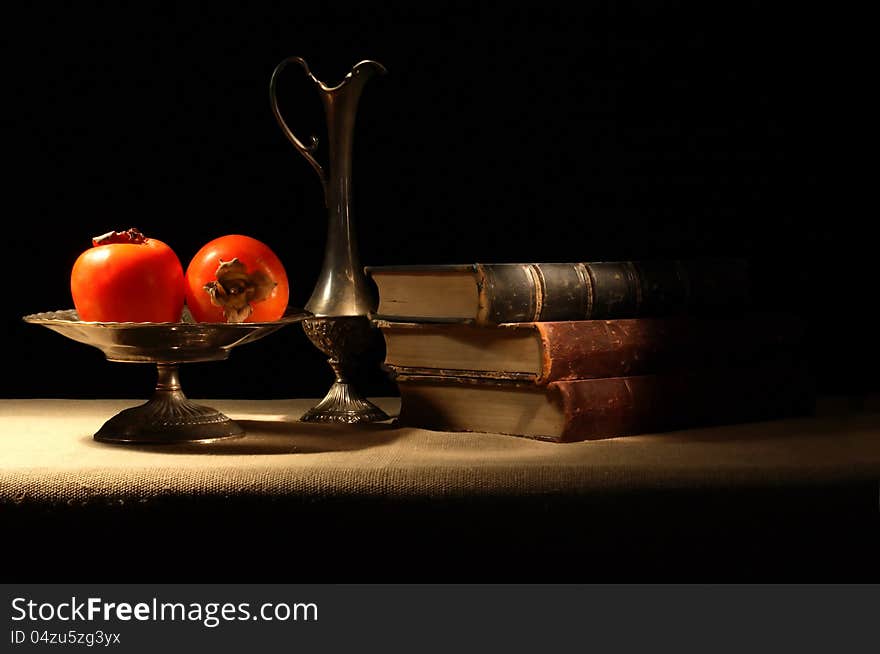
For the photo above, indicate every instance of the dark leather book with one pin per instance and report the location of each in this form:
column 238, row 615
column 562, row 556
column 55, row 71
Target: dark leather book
column 544, row 352
column 493, row 293
column 586, row 409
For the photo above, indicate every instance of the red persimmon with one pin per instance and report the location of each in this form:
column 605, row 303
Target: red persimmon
column 236, row 278
column 126, row 277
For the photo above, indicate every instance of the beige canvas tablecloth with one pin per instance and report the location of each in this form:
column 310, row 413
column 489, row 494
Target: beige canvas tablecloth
column 47, row 454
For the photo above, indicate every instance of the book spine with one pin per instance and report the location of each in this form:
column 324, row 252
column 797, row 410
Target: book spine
column 542, row 292
column 605, row 408
column 619, row 348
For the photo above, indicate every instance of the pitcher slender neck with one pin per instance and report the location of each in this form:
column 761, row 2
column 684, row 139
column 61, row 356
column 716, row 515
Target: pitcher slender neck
column 340, row 108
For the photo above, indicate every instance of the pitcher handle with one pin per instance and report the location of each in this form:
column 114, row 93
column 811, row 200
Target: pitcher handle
column 305, row 150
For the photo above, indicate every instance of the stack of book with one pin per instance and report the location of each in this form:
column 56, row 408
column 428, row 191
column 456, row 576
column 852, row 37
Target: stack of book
column 575, row 351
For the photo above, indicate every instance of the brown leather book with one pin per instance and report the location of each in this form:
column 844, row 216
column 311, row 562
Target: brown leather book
column 494, row 293
column 588, row 409
column 545, row 352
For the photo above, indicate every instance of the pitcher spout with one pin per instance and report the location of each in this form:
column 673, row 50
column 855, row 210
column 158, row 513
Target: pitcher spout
column 362, row 71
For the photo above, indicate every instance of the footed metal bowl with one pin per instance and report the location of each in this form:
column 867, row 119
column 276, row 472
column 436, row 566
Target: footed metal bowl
column 169, row 417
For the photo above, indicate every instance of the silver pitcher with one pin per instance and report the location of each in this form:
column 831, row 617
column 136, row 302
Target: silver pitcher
column 342, row 299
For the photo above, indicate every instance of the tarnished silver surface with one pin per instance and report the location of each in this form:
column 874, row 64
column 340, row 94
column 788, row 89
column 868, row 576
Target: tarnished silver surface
column 342, row 340
column 342, row 290
column 169, row 416
column 160, row 342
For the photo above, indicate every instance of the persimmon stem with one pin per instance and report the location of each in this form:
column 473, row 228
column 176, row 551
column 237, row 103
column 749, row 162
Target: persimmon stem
column 132, row 235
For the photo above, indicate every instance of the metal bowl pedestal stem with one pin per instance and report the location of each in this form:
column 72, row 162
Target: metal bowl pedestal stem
column 169, row 417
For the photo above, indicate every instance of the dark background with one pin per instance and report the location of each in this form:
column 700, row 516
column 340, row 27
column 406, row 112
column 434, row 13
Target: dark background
column 600, row 131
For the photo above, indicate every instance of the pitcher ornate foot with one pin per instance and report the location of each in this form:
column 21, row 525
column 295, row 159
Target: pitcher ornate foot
column 342, row 339
column 342, row 300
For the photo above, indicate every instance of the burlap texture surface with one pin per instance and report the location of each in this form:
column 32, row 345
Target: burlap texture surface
column 47, row 455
